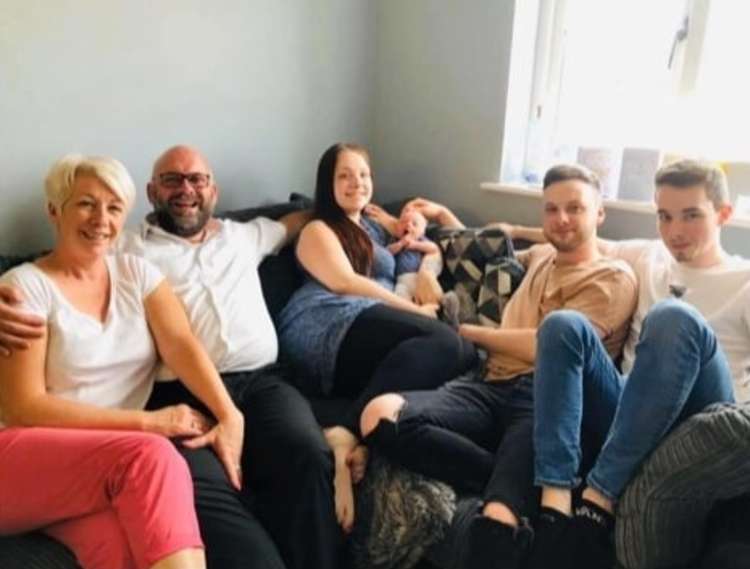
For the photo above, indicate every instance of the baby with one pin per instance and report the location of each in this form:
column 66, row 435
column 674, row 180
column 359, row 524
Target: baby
column 409, row 251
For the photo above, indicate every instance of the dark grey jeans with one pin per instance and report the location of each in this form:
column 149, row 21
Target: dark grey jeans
column 474, row 435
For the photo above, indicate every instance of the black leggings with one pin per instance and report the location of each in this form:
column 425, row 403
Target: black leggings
column 387, row 349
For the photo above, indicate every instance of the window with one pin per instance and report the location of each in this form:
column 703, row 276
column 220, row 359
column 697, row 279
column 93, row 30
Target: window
column 625, row 85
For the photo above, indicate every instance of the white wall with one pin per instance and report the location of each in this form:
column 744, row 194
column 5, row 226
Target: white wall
column 262, row 86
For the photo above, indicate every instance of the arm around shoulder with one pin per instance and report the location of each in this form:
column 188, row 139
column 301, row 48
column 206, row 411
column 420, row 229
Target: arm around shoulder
column 532, row 234
column 17, row 328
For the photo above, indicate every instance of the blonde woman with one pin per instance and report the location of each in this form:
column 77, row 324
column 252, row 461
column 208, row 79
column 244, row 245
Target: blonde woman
column 81, row 459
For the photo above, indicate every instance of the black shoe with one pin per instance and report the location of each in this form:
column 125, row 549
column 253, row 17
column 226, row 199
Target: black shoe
column 594, row 536
column 554, row 543
column 494, row 545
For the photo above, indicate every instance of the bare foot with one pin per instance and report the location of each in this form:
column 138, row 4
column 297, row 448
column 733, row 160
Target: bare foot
column 344, row 498
column 342, row 443
column 357, row 461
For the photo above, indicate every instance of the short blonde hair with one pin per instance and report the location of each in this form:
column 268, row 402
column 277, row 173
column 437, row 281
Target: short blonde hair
column 58, row 185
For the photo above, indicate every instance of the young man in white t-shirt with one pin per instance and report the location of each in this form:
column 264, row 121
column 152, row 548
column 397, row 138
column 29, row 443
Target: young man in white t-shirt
column 212, row 265
column 693, row 308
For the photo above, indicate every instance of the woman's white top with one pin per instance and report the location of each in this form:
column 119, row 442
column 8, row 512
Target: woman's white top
column 111, row 363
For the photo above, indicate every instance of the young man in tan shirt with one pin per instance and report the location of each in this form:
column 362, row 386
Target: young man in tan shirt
column 477, row 435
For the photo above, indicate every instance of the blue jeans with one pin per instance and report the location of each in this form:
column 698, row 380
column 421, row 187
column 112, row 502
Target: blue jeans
column 679, row 368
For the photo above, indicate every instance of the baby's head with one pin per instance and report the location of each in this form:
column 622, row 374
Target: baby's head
column 412, row 223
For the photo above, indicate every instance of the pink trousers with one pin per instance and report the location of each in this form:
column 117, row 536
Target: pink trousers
column 117, row 499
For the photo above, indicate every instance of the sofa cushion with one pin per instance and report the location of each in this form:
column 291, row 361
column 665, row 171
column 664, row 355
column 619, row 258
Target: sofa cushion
column 35, row 551
column 277, row 210
column 7, row 262
column 661, row 517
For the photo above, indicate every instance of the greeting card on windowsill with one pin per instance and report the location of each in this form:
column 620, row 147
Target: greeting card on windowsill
column 639, row 166
column 605, row 163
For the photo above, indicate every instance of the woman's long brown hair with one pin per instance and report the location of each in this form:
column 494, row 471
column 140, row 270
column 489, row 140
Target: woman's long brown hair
column 354, row 240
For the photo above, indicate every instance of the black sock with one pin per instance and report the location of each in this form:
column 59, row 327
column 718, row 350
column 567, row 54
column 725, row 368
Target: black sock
column 553, row 541
column 594, row 535
column 596, row 515
column 493, row 544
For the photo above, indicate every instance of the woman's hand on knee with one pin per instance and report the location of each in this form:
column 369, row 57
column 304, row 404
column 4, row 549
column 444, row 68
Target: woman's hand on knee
column 226, row 438
column 177, row 421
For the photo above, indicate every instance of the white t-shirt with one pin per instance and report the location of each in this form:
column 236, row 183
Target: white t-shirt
column 110, row 363
column 218, row 282
column 721, row 293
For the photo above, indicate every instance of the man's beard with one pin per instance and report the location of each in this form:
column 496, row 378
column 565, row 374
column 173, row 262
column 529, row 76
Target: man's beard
column 181, row 226
column 562, row 245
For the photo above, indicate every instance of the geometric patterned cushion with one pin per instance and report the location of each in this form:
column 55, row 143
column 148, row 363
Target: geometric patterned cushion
column 501, row 278
column 466, row 252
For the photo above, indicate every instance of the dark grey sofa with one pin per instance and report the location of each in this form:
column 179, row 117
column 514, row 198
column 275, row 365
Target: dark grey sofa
column 647, row 496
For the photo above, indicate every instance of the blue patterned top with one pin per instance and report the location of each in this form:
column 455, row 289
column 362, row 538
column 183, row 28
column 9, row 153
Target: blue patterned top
column 315, row 320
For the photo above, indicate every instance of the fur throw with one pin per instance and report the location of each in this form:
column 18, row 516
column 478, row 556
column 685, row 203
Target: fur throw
column 399, row 514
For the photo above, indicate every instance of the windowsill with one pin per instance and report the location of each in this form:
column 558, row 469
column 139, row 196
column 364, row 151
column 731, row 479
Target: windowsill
column 643, row 208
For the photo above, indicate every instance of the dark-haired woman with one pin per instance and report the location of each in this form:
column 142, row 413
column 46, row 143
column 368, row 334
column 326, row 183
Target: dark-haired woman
column 345, row 330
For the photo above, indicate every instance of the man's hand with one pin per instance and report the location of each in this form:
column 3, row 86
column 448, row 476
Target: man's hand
column 226, row 438
column 16, row 327
column 434, row 212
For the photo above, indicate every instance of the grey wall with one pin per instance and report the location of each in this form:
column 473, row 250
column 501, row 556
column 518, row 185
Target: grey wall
column 262, row 86
column 442, row 68
column 440, row 95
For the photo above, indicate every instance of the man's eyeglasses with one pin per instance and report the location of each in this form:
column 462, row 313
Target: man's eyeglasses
column 174, row 180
